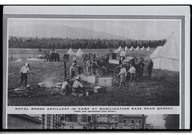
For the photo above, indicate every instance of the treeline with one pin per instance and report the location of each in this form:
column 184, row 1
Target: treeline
column 65, row 43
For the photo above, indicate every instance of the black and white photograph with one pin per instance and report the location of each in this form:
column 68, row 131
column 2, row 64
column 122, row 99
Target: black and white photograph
column 93, row 62
column 93, row 121
column 96, row 68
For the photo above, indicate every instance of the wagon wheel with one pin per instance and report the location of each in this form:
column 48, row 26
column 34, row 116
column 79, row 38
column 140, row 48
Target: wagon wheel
column 102, row 71
column 116, row 71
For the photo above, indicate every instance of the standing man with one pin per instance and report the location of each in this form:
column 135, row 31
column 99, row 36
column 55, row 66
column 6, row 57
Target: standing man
column 50, row 55
column 72, row 70
column 127, row 66
column 122, row 75
column 122, row 55
column 93, row 67
column 66, row 56
column 80, row 69
column 141, row 68
column 132, row 72
column 135, row 64
column 150, row 67
column 88, row 65
column 24, row 71
column 75, row 59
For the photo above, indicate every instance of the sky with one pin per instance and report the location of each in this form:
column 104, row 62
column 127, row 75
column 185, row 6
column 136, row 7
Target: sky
column 144, row 29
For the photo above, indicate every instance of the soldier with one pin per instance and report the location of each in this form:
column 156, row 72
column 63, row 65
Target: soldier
column 141, row 68
column 88, row 65
column 66, row 88
column 72, row 70
column 24, row 74
column 93, row 67
column 127, row 66
column 80, row 69
column 150, row 67
column 122, row 55
column 66, row 57
column 132, row 72
column 77, row 87
column 122, row 75
column 75, row 59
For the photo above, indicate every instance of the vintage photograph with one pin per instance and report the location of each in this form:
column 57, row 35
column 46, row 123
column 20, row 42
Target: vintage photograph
column 93, row 121
column 94, row 62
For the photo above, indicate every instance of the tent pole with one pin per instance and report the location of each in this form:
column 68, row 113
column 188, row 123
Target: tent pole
column 65, row 67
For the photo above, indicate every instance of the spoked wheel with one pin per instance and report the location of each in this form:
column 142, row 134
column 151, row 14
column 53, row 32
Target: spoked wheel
column 116, row 72
column 102, row 71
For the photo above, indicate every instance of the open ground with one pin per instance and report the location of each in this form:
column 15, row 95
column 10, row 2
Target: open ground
column 161, row 90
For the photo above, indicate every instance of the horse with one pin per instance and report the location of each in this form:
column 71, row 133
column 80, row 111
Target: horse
column 55, row 57
column 52, row 57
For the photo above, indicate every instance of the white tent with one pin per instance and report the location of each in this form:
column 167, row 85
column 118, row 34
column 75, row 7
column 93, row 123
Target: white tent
column 137, row 48
column 79, row 53
column 142, row 48
column 119, row 49
column 116, row 51
column 131, row 49
column 168, row 56
column 155, row 54
column 148, row 48
column 70, row 52
column 126, row 48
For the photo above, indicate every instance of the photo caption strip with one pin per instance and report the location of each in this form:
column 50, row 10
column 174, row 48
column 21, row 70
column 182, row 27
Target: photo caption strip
column 94, row 110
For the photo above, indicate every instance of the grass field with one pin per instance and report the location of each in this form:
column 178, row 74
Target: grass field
column 162, row 89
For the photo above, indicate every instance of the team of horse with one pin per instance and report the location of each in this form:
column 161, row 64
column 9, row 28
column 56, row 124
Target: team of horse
column 55, row 57
column 50, row 56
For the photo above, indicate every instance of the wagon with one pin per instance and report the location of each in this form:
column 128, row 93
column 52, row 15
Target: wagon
column 113, row 63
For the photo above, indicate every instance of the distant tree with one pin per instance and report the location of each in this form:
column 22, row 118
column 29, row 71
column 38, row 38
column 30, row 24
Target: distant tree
column 59, row 43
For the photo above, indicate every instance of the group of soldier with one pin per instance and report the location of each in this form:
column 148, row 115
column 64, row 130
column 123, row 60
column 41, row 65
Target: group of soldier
column 91, row 64
column 133, row 71
column 73, row 86
column 130, row 72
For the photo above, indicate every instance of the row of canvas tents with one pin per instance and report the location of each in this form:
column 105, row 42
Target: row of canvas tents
column 164, row 57
column 131, row 49
column 79, row 53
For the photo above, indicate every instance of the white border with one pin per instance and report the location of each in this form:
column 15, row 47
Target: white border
column 99, row 10
column 122, row 10
column 187, row 68
column 137, row 2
